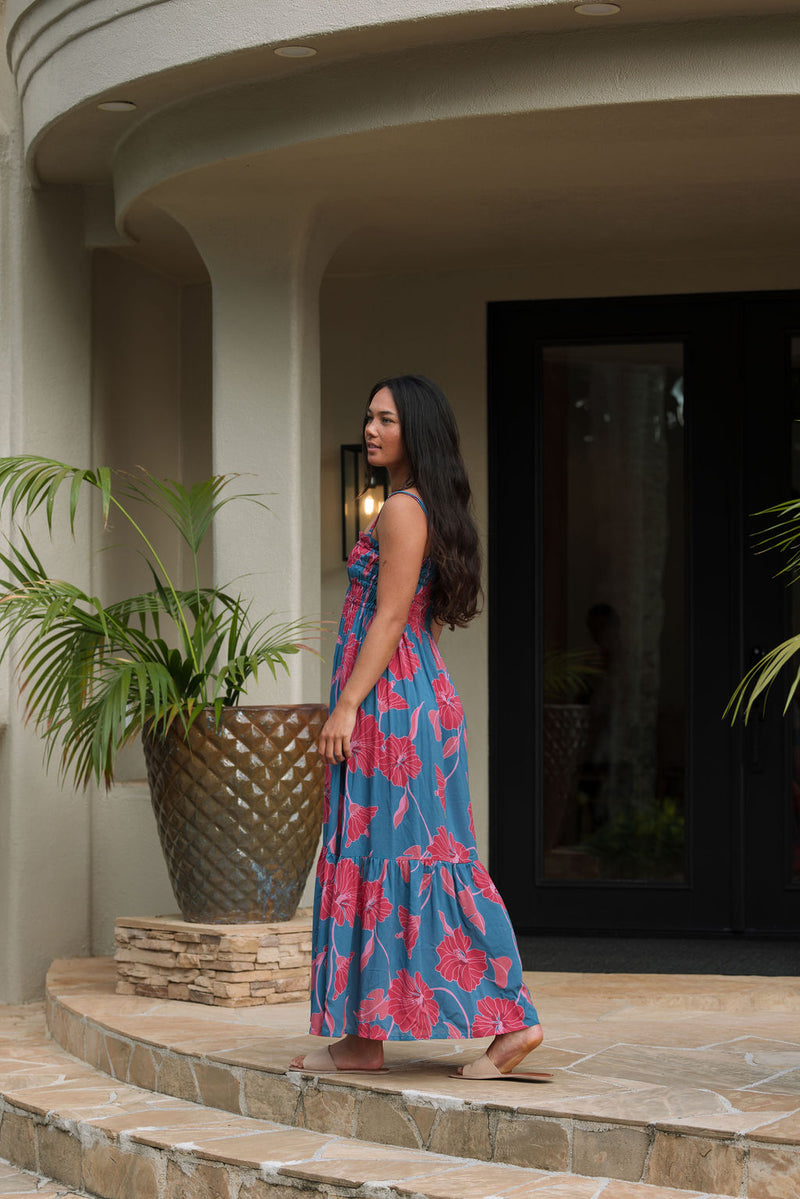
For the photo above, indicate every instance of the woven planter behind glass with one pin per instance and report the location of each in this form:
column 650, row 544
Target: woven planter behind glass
column 239, row 810
column 565, row 735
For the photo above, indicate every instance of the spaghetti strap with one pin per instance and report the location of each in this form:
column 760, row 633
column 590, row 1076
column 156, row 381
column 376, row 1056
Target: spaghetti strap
column 414, row 497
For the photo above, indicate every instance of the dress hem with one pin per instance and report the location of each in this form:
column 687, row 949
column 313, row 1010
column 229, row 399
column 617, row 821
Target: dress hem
column 444, row 1036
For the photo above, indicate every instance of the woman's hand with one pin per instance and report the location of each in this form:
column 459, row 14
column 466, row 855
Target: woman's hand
column 334, row 740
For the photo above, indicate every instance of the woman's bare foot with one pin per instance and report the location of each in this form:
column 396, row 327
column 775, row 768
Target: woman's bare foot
column 510, row 1048
column 351, row 1053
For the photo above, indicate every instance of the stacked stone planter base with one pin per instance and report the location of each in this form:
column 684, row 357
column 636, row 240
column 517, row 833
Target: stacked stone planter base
column 226, row 965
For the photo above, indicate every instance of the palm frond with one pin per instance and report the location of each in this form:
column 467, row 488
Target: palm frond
column 93, row 676
column 761, row 677
column 783, row 535
column 190, row 510
column 27, row 481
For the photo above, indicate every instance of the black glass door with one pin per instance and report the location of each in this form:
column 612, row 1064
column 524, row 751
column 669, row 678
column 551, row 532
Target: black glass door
column 771, row 743
column 628, row 439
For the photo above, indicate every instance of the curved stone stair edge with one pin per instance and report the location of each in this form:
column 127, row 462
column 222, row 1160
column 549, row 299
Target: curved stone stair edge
column 335, row 1107
column 145, row 1151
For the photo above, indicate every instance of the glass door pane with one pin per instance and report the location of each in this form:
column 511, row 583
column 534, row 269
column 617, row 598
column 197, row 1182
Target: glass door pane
column 614, row 712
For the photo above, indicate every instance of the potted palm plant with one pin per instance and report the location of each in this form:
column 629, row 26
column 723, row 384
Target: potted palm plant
column 237, row 790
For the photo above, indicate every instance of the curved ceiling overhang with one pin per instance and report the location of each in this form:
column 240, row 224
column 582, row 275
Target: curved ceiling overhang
column 68, row 55
column 504, row 77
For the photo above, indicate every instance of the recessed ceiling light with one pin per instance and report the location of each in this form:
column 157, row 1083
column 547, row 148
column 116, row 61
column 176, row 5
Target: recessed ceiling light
column 295, row 51
column 117, row 105
column 597, row 10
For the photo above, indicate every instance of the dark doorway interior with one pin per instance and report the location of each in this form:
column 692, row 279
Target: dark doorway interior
column 629, row 441
column 662, row 955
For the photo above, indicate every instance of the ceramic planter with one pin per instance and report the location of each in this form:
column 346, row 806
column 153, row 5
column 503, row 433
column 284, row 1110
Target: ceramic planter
column 239, row 810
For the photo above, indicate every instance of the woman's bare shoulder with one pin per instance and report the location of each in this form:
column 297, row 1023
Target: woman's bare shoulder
column 402, row 514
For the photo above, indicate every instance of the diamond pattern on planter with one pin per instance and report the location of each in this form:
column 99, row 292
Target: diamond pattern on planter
column 239, row 810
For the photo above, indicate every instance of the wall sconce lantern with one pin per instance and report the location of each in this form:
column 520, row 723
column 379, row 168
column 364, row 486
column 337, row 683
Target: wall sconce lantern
column 362, row 495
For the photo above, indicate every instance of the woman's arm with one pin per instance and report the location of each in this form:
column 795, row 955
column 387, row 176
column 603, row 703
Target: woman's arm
column 402, row 536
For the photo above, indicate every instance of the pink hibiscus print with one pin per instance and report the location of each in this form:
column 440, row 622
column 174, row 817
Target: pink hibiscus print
column 410, row 926
column 445, row 848
column 451, row 714
column 468, row 906
column 404, row 663
column 324, row 869
column 412, row 1005
column 481, row 879
column 459, row 963
column 358, row 822
column 496, row 1016
column 373, row 906
column 340, row 894
column 315, row 1027
column 404, row 862
column 400, row 762
column 501, row 967
column 351, row 605
column 437, row 728
column 441, row 788
column 366, row 745
column 372, row 1032
column 416, row 615
column 348, row 659
column 387, row 696
column 374, row 1007
column 446, row 879
column 340, row 978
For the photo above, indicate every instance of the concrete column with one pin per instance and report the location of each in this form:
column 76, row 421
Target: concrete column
column 45, row 831
column 265, row 267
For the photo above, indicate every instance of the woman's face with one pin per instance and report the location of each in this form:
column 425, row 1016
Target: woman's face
column 383, row 435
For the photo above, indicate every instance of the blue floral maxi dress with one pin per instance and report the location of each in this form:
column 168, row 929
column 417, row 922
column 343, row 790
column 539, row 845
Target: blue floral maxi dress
column 411, row 939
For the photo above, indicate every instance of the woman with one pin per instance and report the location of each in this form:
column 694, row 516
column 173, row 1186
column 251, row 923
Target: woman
column 411, row 939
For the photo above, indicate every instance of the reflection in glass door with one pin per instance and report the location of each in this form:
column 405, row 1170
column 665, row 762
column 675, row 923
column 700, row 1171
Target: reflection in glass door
column 614, row 707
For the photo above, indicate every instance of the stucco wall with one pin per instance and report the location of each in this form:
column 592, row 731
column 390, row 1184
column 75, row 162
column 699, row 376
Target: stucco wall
column 435, row 324
column 151, row 407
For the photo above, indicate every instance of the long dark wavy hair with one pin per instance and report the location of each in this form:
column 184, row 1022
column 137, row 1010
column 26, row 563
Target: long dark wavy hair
column 430, row 437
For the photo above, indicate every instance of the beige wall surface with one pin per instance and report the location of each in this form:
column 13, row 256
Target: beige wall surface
column 44, row 830
column 435, row 324
column 151, row 395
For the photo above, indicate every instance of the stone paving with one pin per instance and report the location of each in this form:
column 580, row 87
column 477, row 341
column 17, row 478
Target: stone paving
column 22, row 1182
column 666, row 1087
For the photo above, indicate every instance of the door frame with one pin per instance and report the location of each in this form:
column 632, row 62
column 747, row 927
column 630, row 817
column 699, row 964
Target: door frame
column 724, row 435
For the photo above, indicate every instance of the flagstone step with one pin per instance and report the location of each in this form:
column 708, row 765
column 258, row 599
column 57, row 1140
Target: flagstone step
column 703, row 1095
column 90, row 1132
column 15, row 1182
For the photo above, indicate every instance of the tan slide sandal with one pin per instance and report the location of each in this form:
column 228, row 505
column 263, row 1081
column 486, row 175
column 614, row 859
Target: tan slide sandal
column 483, row 1069
column 320, row 1061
